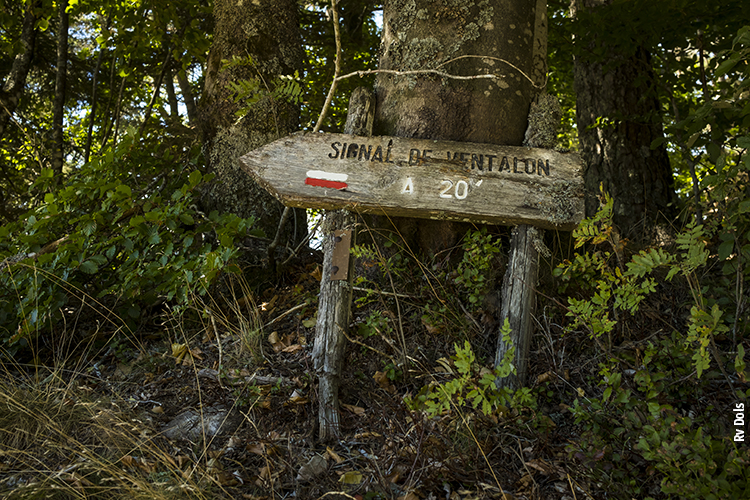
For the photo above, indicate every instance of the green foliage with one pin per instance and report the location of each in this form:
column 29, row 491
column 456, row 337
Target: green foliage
column 375, row 323
column 126, row 239
column 617, row 291
column 473, row 385
column 479, row 250
column 686, row 452
column 247, row 92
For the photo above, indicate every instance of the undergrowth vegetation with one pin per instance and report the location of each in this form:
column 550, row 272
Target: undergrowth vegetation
column 119, row 239
column 637, row 372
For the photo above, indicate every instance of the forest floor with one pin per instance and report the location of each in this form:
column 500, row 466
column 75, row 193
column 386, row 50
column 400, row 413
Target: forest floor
column 222, row 404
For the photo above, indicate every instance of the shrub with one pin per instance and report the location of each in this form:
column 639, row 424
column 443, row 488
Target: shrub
column 123, row 232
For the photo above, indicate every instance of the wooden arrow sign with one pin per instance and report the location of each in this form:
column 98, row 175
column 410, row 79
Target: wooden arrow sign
column 463, row 181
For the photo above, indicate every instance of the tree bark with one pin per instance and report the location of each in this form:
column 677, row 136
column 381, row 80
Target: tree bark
column 264, row 34
column 60, row 83
column 512, row 35
column 430, row 35
column 16, row 80
column 187, row 96
column 335, row 301
column 618, row 117
column 94, row 102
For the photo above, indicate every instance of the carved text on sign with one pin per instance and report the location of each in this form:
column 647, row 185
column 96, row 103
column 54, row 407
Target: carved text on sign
column 469, row 160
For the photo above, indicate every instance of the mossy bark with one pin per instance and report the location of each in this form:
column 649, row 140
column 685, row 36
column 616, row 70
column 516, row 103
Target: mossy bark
column 425, row 34
column 265, row 34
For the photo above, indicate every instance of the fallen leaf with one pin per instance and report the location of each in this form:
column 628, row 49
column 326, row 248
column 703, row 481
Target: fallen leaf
column 317, row 273
column 431, row 328
column 357, row 410
column 257, row 448
column 157, row 409
column 316, row 466
column 335, row 456
column 351, row 477
column 544, row 377
column 273, row 337
column 383, row 381
column 292, row 348
column 297, row 398
column 179, row 351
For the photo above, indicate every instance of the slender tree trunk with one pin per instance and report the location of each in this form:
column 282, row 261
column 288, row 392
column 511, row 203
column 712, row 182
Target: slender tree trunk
column 174, row 112
column 157, row 87
column 264, row 36
column 618, row 117
column 94, row 102
column 187, row 96
column 16, row 80
column 60, row 83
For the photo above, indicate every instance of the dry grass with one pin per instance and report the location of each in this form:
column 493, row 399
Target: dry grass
column 58, row 443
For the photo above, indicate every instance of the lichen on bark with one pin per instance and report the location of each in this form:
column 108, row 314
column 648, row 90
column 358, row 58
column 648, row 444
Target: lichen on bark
column 265, row 35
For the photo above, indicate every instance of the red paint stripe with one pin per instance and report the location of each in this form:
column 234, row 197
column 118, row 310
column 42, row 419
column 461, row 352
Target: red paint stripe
column 324, row 183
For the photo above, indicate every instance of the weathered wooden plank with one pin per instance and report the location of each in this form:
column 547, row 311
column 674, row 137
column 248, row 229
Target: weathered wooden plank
column 481, row 183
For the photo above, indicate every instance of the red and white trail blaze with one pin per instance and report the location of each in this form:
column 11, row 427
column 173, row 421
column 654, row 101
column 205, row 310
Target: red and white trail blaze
column 324, row 179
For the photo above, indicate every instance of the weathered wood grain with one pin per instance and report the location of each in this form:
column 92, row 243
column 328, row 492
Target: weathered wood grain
column 481, row 183
column 518, row 301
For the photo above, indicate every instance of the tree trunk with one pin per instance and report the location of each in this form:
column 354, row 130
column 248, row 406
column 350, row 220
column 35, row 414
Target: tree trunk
column 16, row 80
column 618, row 117
column 430, row 35
column 60, row 82
column 512, row 35
column 187, row 96
column 94, row 102
column 335, row 301
column 262, row 38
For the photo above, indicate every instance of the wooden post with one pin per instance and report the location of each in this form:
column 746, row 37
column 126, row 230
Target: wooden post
column 518, row 302
column 334, row 302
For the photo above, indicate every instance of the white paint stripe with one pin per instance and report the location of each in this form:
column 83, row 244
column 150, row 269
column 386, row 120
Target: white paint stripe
column 328, row 176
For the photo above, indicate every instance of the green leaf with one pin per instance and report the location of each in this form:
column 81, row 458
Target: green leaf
column 725, row 249
column 89, row 267
column 194, row 178
column 727, row 65
column 122, row 188
column 153, row 236
column 89, row 227
column 111, row 252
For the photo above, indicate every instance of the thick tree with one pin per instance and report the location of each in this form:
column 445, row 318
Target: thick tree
column 504, row 38
column 254, row 44
column 463, row 39
column 618, row 119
